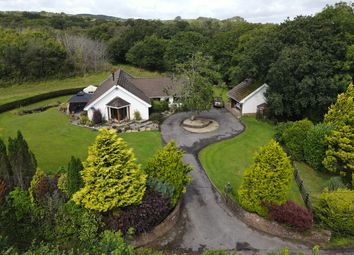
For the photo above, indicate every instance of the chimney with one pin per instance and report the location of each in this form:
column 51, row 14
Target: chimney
column 113, row 76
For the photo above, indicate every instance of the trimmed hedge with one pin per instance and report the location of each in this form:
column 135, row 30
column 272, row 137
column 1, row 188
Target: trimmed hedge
column 37, row 98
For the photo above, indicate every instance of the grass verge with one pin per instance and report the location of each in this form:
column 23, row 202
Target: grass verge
column 226, row 161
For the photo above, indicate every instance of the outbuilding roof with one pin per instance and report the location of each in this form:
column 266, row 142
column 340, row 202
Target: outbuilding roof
column 80, row 97
column 242, row 90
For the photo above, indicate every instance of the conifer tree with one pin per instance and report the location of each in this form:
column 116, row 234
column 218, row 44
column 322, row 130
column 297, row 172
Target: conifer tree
column 74, row 179
column 112, row 178
column 340, row 153
column 167, row 165
column 5, row 168
column 267, row 181
column 22, row 161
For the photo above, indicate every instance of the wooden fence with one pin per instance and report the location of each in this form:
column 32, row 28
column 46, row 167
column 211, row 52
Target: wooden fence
column 305, row 195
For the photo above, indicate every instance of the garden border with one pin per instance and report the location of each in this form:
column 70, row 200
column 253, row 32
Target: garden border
column 37, row 98
column 160, row 230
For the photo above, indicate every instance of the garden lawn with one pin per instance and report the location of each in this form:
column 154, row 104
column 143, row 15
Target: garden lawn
column 226, row 161
column 54, row 140
column 314, row 181
column 28, row 89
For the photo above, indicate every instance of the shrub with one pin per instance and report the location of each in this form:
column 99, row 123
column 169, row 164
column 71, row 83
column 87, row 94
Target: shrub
column 335, row 183
column 144, row 217
column 111, row 176
column 84, row 120
column 167, row 165
column 76, row 225
column 137, row 115
column 113, row 243
column 336, row 209
column 42, row 188
column 294, row 138
column 63, row 183
column 291, row 214
column 268, row 179
column 97, row 116
column 315, row 145
column 159, row 106
column 156, row 117
column 74, row 180
column 279, row 130
column 163, row 187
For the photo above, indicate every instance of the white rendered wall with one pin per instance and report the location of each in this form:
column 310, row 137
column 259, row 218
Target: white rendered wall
column 250, row 105
column 135, row 104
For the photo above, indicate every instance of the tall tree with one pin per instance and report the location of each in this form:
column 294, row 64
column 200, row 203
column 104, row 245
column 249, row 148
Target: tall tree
column 340, row 153
column 74, row 179
column 5, row 167
column 267, row 181
column 198, row 78
column 112, row 178
column 148, row 53
column 22, row 161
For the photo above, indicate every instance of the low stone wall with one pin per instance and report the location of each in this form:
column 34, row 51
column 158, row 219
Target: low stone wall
column 160, row 230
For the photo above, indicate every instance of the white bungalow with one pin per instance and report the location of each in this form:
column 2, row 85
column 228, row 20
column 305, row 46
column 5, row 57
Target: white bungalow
column 120, row 95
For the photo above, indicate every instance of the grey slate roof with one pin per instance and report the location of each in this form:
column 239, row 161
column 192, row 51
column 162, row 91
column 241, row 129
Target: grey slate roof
column 144, row 88
column 243, row 89
column 118, row 102
column 80, row 97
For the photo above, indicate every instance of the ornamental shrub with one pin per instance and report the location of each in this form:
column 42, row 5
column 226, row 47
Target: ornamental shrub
column 291, row 214
column 336, row 209
column 97, row 116
column 156, row 117
column 159, row 106
column 166, row 189
column 267, row 180
column 335, row 183
column 340, row 151
column 294, row 137
column 167, row 165
column 315, row 145
column 76, row 226
column 112, row 178
column 142, row 218
column 74, row 179
column 279, row 130
column 137, row 115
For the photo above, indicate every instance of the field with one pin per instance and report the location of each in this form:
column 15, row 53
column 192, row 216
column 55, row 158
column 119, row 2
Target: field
column 24, row 90
column 54, row 140
column 226, row 161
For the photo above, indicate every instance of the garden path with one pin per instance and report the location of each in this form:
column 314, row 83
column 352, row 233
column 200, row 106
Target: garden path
column 206, row 223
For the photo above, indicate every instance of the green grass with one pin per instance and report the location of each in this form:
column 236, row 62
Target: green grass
column 54, row 140
column 226, row 161
column 219, row 91
column 314, row 181
column 28, row 89
column 340, row 242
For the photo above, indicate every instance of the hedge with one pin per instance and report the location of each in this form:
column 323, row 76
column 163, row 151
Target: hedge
column 37, row 98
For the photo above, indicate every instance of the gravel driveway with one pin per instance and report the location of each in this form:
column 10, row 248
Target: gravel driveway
column 206, row 223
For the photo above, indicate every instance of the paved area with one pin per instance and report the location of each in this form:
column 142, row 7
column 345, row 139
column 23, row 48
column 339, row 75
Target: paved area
column 206, row 222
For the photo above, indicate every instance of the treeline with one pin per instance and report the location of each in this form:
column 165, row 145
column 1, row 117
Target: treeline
column 306, row 61
column 37, row 54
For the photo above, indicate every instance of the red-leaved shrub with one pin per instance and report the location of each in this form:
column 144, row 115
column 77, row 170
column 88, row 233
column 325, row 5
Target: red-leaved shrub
column 291, row 214
column 143, row 217
column 97, row 116
column 45, row 188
